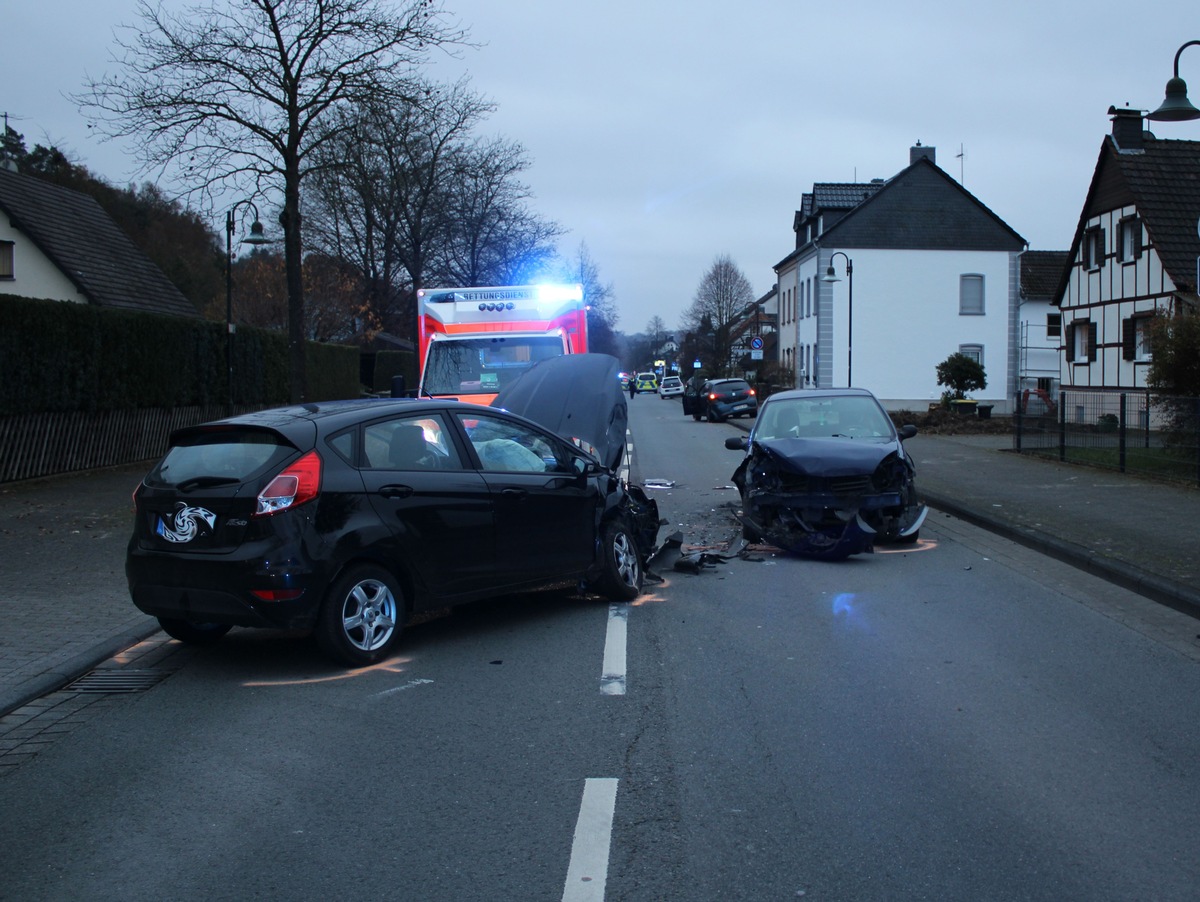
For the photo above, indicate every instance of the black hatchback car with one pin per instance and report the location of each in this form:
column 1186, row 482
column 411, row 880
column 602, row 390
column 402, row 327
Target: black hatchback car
column 349, row 517
column 723, row 398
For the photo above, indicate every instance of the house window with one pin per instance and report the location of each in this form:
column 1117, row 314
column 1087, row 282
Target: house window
column 6, row 260
column 970, row 295
column 1135, row 337
column 1054, row 325
column 1093, row 248
column 1081, row 342
column 1129, row 245
column 975, row 352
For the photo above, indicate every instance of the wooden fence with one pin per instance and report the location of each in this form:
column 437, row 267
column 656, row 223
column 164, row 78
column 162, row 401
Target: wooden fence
column 48, row 444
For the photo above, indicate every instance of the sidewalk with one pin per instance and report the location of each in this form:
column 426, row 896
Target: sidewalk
column 64, row 607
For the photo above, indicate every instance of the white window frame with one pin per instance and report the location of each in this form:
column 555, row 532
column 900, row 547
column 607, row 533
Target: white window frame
column 971, row 302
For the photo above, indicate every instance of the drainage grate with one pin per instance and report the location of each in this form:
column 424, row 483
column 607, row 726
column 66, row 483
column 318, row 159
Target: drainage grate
column 105, row 681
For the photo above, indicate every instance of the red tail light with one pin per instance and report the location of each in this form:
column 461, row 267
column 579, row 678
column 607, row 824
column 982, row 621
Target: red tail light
column 297, row 484
column 752, row 391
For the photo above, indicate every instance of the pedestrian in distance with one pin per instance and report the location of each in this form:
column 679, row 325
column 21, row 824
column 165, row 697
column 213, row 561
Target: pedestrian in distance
column 632, row 387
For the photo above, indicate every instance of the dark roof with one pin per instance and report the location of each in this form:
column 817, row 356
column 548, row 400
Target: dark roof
column 1161, row 179
column 1165, row 182
column 1041, row 272
column 75, row 233
column 842, row 195
column 923, row 208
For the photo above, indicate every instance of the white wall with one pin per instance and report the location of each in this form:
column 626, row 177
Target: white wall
column 906, row 321
column 34, row 276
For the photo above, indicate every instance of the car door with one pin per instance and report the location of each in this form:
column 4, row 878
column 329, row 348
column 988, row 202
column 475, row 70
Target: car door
column 438, row 507
column 545, row 512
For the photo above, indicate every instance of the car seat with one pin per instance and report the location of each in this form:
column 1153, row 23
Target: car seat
column 408, row 450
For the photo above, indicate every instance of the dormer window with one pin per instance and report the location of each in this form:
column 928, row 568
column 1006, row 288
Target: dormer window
column 1129, row 242
column 1093, row 248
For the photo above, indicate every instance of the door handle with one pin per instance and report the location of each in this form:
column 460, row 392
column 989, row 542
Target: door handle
column 396, row 491
column 518, row 494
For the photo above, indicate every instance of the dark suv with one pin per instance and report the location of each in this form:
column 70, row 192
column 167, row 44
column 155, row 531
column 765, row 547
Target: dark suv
column 348, row 517
column 722, row 398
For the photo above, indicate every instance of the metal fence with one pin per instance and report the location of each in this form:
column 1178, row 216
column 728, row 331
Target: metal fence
column 1131, row 432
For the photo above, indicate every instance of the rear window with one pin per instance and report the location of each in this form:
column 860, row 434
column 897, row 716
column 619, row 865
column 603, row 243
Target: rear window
column 731, row 385
column 225, row 456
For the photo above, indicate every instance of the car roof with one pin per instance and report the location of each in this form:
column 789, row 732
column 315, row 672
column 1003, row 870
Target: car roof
column 811, row 393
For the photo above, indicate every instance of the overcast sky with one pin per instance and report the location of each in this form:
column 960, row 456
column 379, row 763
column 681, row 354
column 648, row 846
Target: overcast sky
column 665, row 133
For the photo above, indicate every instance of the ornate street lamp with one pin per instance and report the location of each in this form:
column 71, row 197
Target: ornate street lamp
column 1176, row 107
column 256, row 238
column 831, row 276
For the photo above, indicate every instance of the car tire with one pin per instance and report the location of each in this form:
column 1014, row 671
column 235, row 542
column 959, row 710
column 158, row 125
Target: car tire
column 696, row 415
column 362, row 616
column 191, row 632
column 910, row 539
column 621, row 566
column 714, row 417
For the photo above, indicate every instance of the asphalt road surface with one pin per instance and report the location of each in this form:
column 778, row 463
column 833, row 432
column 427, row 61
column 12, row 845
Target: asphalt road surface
column 960, row 719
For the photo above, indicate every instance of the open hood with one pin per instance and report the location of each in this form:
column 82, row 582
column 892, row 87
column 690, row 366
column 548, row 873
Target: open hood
column 577, row 396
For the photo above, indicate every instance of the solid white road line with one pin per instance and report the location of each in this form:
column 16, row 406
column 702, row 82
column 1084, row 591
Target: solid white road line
column 587, row 873
column 612, row 677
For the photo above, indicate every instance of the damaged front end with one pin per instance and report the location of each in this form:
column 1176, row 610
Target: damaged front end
column 827, row 499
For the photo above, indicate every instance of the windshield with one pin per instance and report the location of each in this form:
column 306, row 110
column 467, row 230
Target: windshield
column 836, row 417
column 482, row 366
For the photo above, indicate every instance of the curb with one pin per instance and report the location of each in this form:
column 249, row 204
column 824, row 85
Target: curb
column 70, row 670
column 1172, row 594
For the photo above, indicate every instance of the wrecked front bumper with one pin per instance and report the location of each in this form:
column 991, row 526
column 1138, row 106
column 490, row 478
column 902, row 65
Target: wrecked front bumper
column 827, row 526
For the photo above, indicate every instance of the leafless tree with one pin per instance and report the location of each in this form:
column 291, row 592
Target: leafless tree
column 241, row 94
column 723, row 293
column 495, row 239
column 381, row 199
column 602, row 315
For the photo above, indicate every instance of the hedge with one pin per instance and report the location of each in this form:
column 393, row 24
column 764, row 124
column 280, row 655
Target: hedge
column 57, row 356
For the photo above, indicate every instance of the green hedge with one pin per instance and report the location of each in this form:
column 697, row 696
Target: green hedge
column 58, row 356
column 395, row 363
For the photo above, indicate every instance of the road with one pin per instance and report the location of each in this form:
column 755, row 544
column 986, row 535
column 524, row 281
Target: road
column 962, row 719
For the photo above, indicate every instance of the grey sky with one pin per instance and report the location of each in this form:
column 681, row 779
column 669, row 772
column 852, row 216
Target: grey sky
column 665, row 134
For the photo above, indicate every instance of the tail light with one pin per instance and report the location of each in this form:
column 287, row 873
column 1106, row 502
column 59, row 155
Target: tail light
column 752, row 392
column 297, row 484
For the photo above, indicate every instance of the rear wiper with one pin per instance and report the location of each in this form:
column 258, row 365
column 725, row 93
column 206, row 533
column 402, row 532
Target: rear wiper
column 205, row 482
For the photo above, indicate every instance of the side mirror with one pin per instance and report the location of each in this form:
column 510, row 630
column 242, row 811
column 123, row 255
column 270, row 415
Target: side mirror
column 737, row 442
column 908, row 430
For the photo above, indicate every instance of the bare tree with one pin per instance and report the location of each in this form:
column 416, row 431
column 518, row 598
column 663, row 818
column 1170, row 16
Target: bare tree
column 602, row 316
column 241, row 95
column 382, row 196
column 496, row 239
column 722, row 294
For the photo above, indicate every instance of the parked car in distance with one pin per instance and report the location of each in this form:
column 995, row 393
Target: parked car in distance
column 348, row 517
column 672, row 387
column 647, row 382
column 723, row 398
column 825, row 474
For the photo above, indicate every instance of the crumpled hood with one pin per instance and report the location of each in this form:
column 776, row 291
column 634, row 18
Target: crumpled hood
column 824, row 457
column 577, row 396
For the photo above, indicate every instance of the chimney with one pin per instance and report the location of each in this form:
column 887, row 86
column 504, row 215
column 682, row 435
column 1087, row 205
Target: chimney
column 1127, row 129
column 921, row 153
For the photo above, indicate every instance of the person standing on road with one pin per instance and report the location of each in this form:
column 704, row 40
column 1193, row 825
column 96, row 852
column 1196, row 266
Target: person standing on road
column 632, row 387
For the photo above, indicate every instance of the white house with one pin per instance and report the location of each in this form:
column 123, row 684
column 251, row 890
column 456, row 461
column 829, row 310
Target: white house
column 1136, row 251
column 1040, row 322
column 923, row 270
column 60, row 245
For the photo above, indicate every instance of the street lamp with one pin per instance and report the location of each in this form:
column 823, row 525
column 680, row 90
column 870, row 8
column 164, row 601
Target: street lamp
column 256, row 238
column 831, row 276
column 1176, row 107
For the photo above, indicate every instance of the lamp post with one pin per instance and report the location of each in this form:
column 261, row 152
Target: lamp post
column 1175, row 106
column 256, row 237
column 831, row 276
